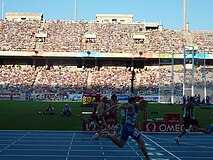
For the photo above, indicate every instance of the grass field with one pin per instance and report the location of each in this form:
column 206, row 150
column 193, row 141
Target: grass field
column 22, row 115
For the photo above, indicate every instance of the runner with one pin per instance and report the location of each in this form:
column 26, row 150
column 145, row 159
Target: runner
column 128, row 128
column 208, row 130
column 190, row 123
column 100, row 118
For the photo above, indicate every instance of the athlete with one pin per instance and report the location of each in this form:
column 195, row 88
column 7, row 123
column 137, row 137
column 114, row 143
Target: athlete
column 101, row 110
column 90, row 123
column 128, row 128
column 111, row 112
column 112, row 117
column 190, row 123
column 114, row 98
column 208, row 130
column 100, row 117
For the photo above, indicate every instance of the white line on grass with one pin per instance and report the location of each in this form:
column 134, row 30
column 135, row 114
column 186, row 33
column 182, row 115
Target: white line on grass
column 161, row 147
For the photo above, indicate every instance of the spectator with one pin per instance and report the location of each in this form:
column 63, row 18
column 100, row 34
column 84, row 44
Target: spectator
column 207, row 100
column 49, row 110
column 66, row 111
column 66, row 36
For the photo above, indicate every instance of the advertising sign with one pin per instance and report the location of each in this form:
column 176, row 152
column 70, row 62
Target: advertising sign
column 89, row 98
column 163, row 126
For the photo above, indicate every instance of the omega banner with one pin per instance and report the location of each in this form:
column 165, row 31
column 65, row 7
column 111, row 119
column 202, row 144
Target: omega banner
column 163, row 126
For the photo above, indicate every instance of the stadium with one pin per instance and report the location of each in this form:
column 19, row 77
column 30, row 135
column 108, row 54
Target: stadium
column 77, row 62
column 92, row 51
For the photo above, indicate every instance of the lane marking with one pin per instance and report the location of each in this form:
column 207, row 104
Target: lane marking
column 159, row 154
column 197, row 145
column 14, row 142
column 160, row 159
column 70, row 146
column 151, row 148
column 161, row 147
column 71, row 156
column 186, row 143
column 102, row 149
column 134, row 150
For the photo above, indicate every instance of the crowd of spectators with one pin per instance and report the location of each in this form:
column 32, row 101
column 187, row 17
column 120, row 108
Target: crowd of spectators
column 203, row 40
column 63, row 79
column 69, row 36
column 16, row 78
column 60, row 79
column 18, row 36
column 155, row 76
column 111, row 78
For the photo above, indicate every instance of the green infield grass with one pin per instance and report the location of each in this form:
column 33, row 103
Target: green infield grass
column 23, row 115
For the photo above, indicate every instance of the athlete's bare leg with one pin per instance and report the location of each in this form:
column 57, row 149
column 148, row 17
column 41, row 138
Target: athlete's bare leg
column 182, row 133
column 179, row 136
column 119, row 143
column 204, row 130
column 142, row 146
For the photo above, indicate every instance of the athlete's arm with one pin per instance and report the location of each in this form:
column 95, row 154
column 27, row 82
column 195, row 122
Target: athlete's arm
column 100, row 110
column 129, row 107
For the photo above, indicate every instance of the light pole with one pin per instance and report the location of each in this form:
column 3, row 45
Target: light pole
column 2, row 10
column 172, row 96
column 75, row 10
column 184, row 15
column 191, row 50
column 132, row 82
column 184, row 76
column 193, row 70
column 204, row 75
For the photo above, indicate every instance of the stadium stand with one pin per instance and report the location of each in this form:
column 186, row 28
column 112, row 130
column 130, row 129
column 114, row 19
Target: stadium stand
column 62, row 79
column 68, row 36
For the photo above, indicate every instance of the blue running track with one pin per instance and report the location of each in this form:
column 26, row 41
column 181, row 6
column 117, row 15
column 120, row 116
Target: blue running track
column 60, row 145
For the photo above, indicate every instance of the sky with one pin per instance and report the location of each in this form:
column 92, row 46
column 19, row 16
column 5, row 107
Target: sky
column 168, row 12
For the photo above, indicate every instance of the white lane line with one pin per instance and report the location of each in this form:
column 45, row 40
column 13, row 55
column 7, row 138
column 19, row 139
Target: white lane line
column 70, row 146
column 134, row 150
column 76, row 150
column 186, row 143
column 161, row 147
column 102, row 149
column 14, row 142
column 71, row 156
column 197, row 145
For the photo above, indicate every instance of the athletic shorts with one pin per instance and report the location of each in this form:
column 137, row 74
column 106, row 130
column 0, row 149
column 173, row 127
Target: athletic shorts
column 190, row 121
column 129, row 130
column 99, row 121
column 194, row 122
column 187, row 122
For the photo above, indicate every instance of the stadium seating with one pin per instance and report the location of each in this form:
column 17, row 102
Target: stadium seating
column 68, row 36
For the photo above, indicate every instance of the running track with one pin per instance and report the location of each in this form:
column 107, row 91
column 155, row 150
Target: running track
column 58, row 145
